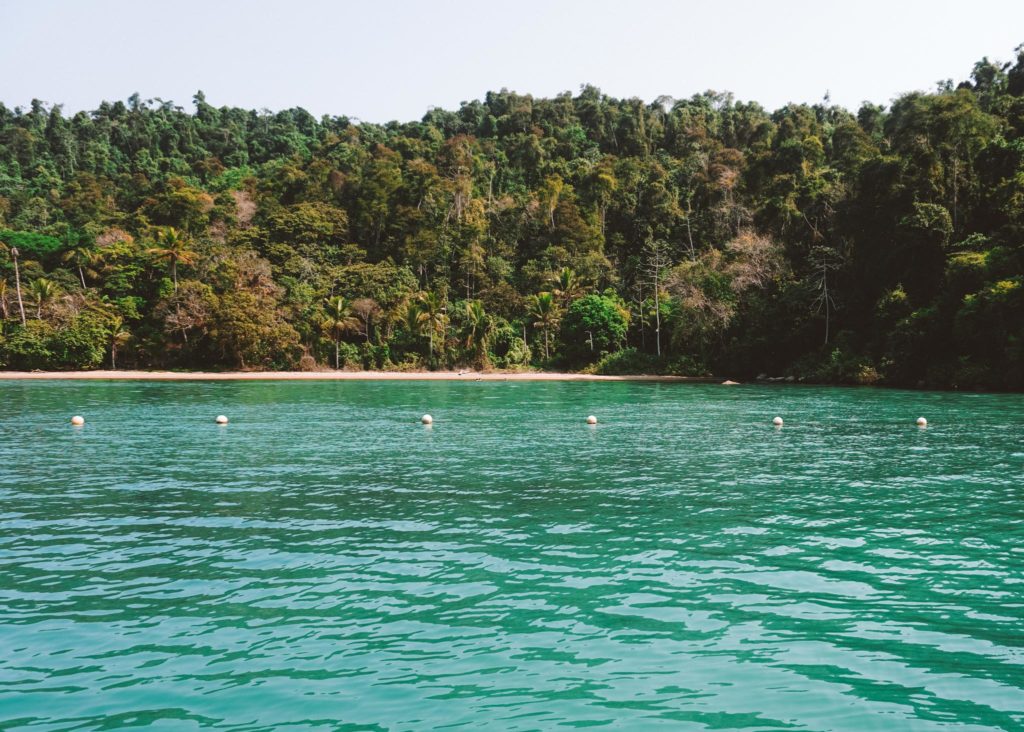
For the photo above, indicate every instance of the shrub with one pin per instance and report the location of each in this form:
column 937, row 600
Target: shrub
column 628, row 361
column 81, row 344
column 348, row 355
column 26, row 348
column 593, row 326
column 508, row 349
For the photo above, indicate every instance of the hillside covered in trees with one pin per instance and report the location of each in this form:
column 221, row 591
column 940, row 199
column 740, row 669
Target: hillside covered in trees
column 682, row 236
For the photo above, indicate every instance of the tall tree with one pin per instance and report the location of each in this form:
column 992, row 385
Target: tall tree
column 543, row 311
column 118, row 334
column 433, row 314
column 173, row 247
column 657, row 261
column 13, row 252
column 338, row 321
column 480, row 328
column 82, row 256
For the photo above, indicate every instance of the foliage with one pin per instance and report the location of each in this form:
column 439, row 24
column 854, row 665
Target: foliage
column 628, row 361
column 593, row 326
column 707, row 234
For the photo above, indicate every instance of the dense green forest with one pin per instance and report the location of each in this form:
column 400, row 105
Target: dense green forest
column 691, row 236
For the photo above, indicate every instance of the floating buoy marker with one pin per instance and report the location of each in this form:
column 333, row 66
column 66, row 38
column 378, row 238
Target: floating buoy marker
column 777, row 421
column 591, row 419
column 77, row 421
column 427, row 419
column 221, row 419
column 922, row 422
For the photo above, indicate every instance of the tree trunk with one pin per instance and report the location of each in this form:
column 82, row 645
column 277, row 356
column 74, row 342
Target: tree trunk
column 337, row 361
column 657, row 308
column 17, row 287
column 689, row 231
column 81, row 276
column 174, row 273
column 113, row 357
column 824, row 284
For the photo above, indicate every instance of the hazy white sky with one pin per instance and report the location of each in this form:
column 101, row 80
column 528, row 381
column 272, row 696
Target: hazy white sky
column 393, row 60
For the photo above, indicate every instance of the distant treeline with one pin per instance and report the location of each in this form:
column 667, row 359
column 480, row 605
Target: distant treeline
column 682, row 236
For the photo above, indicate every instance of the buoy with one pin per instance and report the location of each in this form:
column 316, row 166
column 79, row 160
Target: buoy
column 591, row 419
column 922, row 422
column 427, row 419
column 221, row 419
column 777, row 421
column 77, row 421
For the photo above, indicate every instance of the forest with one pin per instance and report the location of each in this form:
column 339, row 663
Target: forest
column 581, row 232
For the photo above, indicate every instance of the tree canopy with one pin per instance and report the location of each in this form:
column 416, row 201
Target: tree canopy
column 701, row 235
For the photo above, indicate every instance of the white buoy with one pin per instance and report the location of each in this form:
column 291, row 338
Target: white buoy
column 777, row 421
column 591, row 419
column 221, row 419
column 77, row 421
column 922, row 422
column 427, row 419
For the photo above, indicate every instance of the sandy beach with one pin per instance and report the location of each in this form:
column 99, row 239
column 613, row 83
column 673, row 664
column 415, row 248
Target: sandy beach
column 337, row 376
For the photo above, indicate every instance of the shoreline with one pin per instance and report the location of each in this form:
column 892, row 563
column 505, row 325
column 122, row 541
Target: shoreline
column 129, row 375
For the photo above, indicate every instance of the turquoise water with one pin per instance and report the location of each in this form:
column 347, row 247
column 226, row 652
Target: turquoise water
column 325, row 562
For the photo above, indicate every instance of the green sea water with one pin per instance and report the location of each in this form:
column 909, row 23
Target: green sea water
column 325, row 562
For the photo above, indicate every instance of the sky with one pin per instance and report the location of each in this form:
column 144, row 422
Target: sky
column 383, row 61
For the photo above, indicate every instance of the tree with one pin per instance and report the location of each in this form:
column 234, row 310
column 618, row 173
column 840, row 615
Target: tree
column 82, row 256
column 367, row 311
column 543, row 311
column 412, row 320
column 13, row 252
column 43, row 291
column 705, row 298
column 480, row 328
column 338, row 321
column 657, row 261
column 513, row 195
column 174, row 248
column 118, row 334
column 189, row 309
column 250, row 331
column 593, row 326
column 826, row 260
column 568, row 285
column 433, row 315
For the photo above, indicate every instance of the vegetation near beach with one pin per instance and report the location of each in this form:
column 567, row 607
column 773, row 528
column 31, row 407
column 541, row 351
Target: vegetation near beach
column 580, row 232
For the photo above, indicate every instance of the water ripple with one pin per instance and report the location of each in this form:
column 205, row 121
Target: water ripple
column 325, row 562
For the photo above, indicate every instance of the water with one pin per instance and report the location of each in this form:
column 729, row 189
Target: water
column 324, row 562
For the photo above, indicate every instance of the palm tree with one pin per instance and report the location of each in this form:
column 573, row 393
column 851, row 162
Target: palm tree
column 43, row 291
column 544, row 311
column 338, row 321
column 13, row 251
column 568, row 285
column 411, row 319
column 3, row 300
column 173, row 247
column 433, row 316
column 480, row 329
column 119, row 335
column 82, row 256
